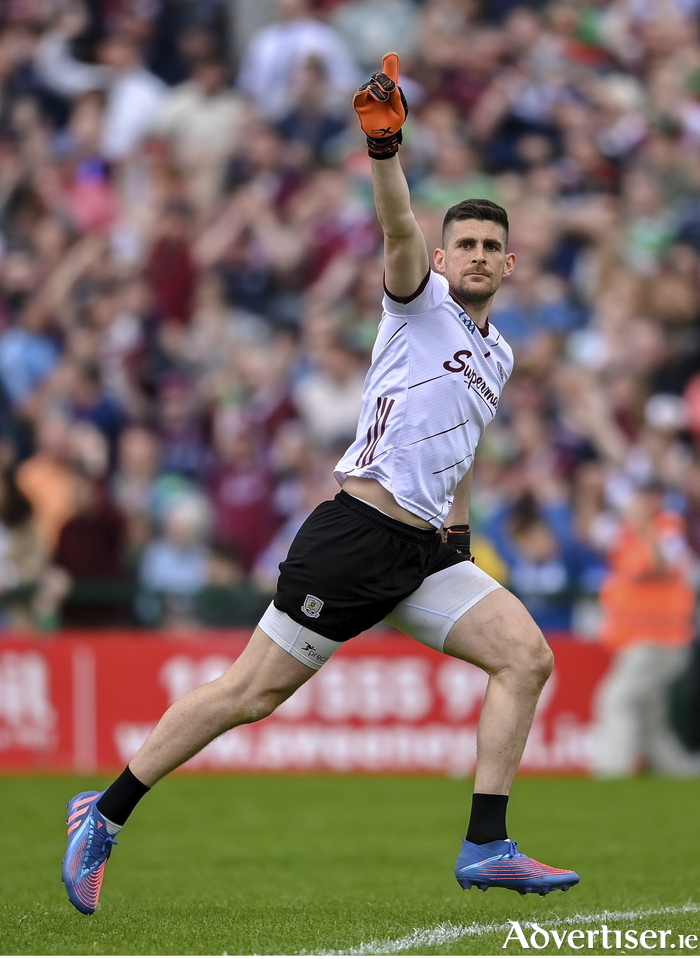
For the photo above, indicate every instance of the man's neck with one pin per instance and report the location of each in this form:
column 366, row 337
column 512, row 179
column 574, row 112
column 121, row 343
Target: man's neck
column 478, row 310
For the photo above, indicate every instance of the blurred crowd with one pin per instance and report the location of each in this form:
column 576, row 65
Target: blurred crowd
column 191, row 281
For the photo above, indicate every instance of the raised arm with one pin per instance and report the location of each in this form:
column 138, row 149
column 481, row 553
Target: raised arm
column 406, row 261
column 382, row 109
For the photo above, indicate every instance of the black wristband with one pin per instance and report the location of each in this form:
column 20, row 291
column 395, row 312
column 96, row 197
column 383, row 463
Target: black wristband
column 460, row 537
column 381, row 148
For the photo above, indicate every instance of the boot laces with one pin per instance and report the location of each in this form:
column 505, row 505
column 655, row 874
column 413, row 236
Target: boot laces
column 99, row 848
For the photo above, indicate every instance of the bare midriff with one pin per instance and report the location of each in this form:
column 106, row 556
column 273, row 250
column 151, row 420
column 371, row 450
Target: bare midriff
column 372, row 491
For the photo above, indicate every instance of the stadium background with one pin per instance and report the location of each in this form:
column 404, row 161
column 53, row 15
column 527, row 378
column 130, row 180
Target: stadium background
column 190, row 283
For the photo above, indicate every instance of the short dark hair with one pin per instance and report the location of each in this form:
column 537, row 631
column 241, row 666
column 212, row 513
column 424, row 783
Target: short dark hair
column 475, row 210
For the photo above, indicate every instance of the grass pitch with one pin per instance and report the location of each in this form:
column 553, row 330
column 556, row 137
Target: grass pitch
column 315, row 864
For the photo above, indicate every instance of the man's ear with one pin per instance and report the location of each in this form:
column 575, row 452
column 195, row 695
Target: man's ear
column 439, row 261
column 510, row 264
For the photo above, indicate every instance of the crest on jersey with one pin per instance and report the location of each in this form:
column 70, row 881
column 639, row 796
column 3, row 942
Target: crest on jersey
column 501, row 372
column 312, row 606
column 468, row 322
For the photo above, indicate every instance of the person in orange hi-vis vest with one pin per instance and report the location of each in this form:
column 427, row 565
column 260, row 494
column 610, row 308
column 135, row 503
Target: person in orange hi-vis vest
column 647, row 603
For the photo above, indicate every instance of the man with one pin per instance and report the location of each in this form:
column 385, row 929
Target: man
column 275, row 54
column 648, row 605
column 394, row 542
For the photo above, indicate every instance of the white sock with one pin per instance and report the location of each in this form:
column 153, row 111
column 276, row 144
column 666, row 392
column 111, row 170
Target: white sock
column 112, row 827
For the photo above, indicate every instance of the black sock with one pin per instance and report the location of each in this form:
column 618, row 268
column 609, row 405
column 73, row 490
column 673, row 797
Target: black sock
column 488, row 818
column 119, row 800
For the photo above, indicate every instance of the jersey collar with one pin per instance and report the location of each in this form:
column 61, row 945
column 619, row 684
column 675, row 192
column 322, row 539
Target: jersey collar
column 468, row 321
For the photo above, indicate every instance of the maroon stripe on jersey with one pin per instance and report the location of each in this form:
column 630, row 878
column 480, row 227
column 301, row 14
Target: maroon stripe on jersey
column 435, row 473
column 381, row 403
column 487, row 354
column 424, row 438
column 382, row 429
column 376, row 430
column 370, row 433
column 422, row 382
column 394, row 334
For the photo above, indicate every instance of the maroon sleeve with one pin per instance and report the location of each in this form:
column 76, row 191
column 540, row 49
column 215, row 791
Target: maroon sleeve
column 407, row 299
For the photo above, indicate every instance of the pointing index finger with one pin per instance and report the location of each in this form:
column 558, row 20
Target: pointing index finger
column 390, row 66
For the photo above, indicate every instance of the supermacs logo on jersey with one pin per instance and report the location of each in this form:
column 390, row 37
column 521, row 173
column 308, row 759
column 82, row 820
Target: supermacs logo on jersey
column 458, row 364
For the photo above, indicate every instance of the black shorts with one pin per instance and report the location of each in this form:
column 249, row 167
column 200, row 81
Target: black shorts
column 350, row 565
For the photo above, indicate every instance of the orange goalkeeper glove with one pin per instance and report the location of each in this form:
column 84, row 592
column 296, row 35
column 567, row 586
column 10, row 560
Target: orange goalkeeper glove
column 382, row 109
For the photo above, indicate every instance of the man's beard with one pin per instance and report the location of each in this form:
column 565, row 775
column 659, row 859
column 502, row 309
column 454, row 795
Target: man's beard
column 476, row 297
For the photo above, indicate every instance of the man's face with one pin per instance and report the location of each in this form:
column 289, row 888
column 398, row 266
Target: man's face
column 474, row 260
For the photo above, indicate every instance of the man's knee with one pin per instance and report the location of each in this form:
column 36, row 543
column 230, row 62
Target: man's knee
column 257, row 706
column 523, row 651
column 247, row 704
column 532, row 655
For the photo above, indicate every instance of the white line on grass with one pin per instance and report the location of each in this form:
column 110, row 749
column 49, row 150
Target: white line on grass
column 449, row 932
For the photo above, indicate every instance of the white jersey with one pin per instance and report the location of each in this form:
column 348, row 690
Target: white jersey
column 433, row 387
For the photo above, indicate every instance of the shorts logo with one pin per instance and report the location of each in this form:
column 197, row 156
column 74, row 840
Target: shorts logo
column 312, row 606
column 311, row 653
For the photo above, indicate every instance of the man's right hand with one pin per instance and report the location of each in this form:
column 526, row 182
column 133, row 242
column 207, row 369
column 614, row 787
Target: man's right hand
column 460, row 537
column 382, row 109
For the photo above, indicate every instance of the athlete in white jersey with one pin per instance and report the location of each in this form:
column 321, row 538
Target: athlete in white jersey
column 433, row 387
column 394, row 543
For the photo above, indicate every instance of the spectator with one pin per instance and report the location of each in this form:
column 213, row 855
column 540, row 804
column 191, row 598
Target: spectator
column 180, row 426
column 47, row 480
column 546, row 564
column 371, row 28
column 27, row 355
column 170, row 269
column 648, row 607
column 534, row 303
column 134, row 97
column 240, row 485
column 204, row 122
column 454, row 177
column 174, row 566
column 330, row 397
column 311, row 122
column 134, row 484
column 55, row 65
column 277, row 51
column 90, row 549
column 202, row 117
column 22, row 558
column 90, row 403
column 228, row 599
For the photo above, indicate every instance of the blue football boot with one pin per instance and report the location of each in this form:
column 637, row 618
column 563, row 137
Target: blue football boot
column 500, row 864
column 89, row 846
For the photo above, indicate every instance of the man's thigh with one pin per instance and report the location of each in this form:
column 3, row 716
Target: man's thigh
column 432, row 611
column 264, row 667
column 497, row 632
column 465, row 613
